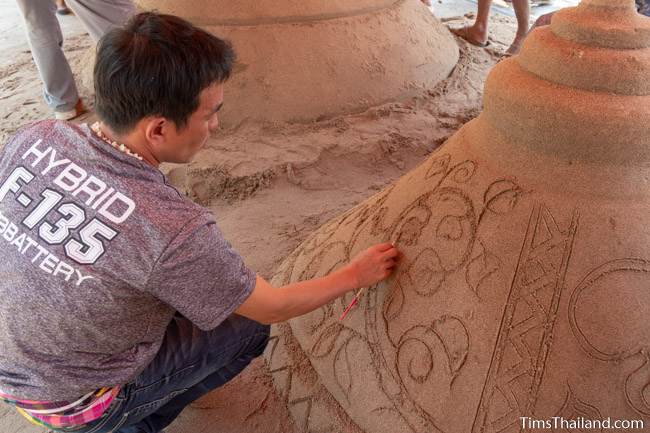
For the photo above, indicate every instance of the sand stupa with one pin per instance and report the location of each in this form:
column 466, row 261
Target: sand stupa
column 524, row 290
column 300, row 60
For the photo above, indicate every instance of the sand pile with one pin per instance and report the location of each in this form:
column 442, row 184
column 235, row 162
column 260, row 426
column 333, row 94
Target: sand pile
column 300, row 60
column 523, row 287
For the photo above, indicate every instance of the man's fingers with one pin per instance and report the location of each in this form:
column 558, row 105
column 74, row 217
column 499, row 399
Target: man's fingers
column 383, row 247
column 390, row 253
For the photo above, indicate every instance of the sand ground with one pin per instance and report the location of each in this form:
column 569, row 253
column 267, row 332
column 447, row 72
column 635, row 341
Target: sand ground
column 270, row 185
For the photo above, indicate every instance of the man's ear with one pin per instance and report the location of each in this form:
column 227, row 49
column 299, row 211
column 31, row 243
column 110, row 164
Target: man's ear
column 156, row 131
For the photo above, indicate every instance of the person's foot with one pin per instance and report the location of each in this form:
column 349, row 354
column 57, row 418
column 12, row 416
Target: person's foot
column 515, row 46
column 471, row 35
column 77, row 111
column 61, row 8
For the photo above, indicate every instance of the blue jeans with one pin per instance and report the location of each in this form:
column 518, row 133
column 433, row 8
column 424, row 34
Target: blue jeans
column 189, row 364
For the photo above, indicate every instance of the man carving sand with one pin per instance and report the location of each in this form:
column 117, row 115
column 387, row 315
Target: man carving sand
column 121, row 302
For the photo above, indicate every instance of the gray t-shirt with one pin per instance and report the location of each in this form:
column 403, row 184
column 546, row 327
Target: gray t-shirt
column 97, row 253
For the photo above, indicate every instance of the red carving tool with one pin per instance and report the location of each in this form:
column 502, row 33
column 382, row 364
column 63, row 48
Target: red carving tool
column 354, row 302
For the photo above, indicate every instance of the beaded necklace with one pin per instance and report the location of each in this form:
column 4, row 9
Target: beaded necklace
column 119, row 146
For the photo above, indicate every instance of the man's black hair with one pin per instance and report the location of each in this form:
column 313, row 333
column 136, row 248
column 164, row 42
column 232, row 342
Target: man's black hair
column 156, row 65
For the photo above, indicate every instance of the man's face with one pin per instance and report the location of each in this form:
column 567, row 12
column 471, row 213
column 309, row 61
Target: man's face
column 183, row 144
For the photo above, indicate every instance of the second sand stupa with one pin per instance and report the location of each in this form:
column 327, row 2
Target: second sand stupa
column 302, row 60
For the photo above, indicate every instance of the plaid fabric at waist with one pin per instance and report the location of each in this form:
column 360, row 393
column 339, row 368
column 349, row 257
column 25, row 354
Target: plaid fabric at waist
column 62, row 414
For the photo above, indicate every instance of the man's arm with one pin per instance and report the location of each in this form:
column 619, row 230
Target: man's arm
column 268, row 304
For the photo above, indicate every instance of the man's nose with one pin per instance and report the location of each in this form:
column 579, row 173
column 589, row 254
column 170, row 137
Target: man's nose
column 214, row 123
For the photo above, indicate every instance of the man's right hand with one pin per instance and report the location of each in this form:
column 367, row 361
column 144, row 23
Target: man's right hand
column 373, row 265
column 270, row 305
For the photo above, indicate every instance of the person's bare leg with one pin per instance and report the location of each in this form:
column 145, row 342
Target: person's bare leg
column 477, row 33
column 522, row 11
column 480, row 27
